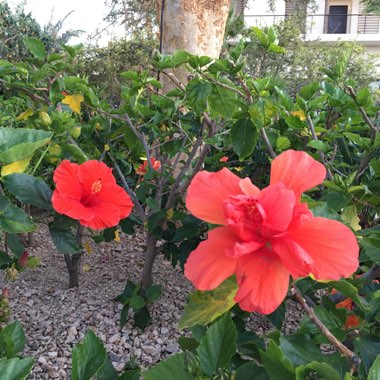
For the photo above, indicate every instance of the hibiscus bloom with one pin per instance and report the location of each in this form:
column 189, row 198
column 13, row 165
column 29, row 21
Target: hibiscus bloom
column 89, row 193
column 266, row 236
column 352, row 320
column 224, row 159
column 141, row 170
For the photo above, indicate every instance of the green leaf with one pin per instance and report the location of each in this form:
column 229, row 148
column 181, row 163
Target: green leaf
column 17, row 144
column 204, row 307
column 142, row 317
column 274, row 48
column 136, row 301
column 12, row 340
column 374, row 371
column 198, row 93
column 369, row 349
column 218, row 345
column 262, row 112
column 276, row 364
column 221, row 100
column 172, row 368
column 348, row 290
column 88, row 357
column 107, row 372
column 15, row 369
column 316, row 370
column 36, row 47
column 261, row 36
column 308, row 91
column 282, row 143
column 364, row 98
column 29, row 190
column 75, row 152
column 15, row 245
column 153, row 293
column 251, row 371
column 244, row 138
column 62, row 235
column 317, row 144
column 14, row 220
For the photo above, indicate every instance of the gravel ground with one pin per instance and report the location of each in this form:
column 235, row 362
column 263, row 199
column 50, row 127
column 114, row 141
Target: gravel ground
column 55, row 318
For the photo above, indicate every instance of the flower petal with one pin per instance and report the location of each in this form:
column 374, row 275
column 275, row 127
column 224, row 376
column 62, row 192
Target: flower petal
column 263, row 282
column 208, row 266
column 297, row 171
column 331, row 245
column 116, row 195
column 296, row 260
column 66, row 180
column 248, row 188
column 278, row 203
column 71, row 207
column 106, row 215
column 206, row 194
column 92, row 171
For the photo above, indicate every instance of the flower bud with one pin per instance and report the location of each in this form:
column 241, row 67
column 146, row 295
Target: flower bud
column 45, row 118
column 23, row 260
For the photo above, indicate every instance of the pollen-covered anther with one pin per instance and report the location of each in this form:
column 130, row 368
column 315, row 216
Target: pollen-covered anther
column 96, row 187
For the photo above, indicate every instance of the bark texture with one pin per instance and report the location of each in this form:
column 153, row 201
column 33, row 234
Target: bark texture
column 196, row 26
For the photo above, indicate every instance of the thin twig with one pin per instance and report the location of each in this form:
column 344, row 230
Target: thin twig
column 315, row 138
column 355, row 360
column 130, row 192
column 226, row 86
column 267, row 143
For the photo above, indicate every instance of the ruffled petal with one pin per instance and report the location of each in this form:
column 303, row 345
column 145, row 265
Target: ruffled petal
column 67, row 181
column 92, row 171
column 248, row 188
column 206, row 194
column 106, row 215
column 296, row 260
column 208, row 266
column 263, row 282
column 71, row 207
column 331, row 245
column 297, row 171
column 116, row 195
column 278, row 204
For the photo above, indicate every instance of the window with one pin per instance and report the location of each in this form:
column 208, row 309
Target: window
column 337, row 19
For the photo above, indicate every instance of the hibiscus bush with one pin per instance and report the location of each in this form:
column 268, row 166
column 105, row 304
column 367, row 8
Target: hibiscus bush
column 261, row 197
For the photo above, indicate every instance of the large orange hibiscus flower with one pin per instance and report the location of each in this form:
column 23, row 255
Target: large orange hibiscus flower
column 266, row 236
column 89, row 193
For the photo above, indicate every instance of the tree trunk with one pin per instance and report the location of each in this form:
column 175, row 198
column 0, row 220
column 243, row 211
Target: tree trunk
column 196, row 26
column 72, row 264
column 149, row 258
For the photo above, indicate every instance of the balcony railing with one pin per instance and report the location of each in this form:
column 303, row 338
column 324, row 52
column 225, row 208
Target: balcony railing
column 347, row 23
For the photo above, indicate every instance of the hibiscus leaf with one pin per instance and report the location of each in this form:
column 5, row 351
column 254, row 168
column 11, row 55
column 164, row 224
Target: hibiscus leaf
column 62, row 235
column 14, row 220
column 204, row 307
column 19, row 143
column 15, row 368
column 317, row 370
column 222, row 100
column 276, row 364
column 243, row 137
column 172, row 368
column 29, row 190
column 88, row 357
column 218, row 345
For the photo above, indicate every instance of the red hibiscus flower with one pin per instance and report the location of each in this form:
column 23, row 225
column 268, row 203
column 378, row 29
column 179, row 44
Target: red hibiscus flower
column 141, row 170
column 224, row 159
column 266, row 236
column 89, row 193
column 352, row 320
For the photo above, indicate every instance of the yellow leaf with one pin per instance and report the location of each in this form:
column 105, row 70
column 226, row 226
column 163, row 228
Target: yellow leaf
column 169, row 213
column 24, row 115
column 350, row 216
column 86, row 268
column 117, row 236
column 87, row 247
column 106, row 147
column 300, row 114
column 73, row 101
column 15, row 167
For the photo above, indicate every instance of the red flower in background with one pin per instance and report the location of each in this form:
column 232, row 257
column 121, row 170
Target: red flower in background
column 224, row 159
column 89, row 193
column 141, row 170
column 268, row 235
column 352, row 320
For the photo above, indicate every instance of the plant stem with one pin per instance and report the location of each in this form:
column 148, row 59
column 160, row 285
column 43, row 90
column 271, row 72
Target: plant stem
column 355, row 361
